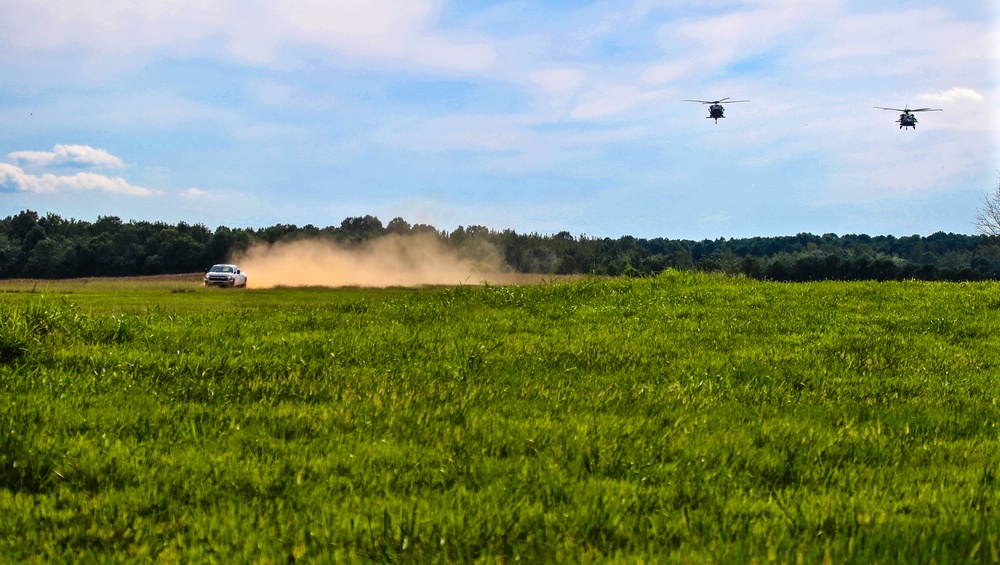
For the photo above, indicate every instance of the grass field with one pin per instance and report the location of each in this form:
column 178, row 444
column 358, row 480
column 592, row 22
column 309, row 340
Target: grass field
column 676, row 419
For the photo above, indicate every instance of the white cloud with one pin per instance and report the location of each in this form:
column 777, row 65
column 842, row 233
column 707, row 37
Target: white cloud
column 194, row 193
column 252, row 32
column 557, row 80
column 14, row 177
column 67, row 155
column 609, row 100
column 744, row 33
column 927, row 44
column 663, row 73
column 953, row 95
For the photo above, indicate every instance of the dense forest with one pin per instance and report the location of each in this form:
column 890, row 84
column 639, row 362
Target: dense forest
column 49, row 247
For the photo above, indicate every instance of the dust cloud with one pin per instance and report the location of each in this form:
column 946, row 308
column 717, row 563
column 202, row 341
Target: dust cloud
column 392, row 260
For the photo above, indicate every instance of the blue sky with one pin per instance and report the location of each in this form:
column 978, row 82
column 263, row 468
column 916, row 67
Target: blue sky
column 537, row 116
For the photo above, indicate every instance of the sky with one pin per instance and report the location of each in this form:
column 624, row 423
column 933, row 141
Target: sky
column 537, row 116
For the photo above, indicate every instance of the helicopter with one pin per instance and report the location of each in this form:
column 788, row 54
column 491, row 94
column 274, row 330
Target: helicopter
column 907, row 119
column 715, row 111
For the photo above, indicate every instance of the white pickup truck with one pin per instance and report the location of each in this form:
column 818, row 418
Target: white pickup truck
column 225, row 275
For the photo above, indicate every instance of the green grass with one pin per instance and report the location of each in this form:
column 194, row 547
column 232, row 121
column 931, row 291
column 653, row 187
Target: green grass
column 677, row 419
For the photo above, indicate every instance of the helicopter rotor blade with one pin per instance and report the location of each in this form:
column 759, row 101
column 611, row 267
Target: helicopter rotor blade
column 893, row 109
column 927, row 110
column 726, row 100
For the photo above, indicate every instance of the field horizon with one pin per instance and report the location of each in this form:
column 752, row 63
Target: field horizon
column 673, row 419
column 475, row 279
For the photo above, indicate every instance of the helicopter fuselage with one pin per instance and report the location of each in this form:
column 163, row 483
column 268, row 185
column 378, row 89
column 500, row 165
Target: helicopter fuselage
column 716, row 111
column 907, row 120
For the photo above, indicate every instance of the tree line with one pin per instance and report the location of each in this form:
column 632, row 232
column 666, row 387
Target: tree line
column 49, row 247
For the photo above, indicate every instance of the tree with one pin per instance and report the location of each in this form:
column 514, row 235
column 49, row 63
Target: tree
column 49, row 259
column 21, row 224
column 988, row 219
column 359, row 229
column 398, row 226
column 10, row 258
